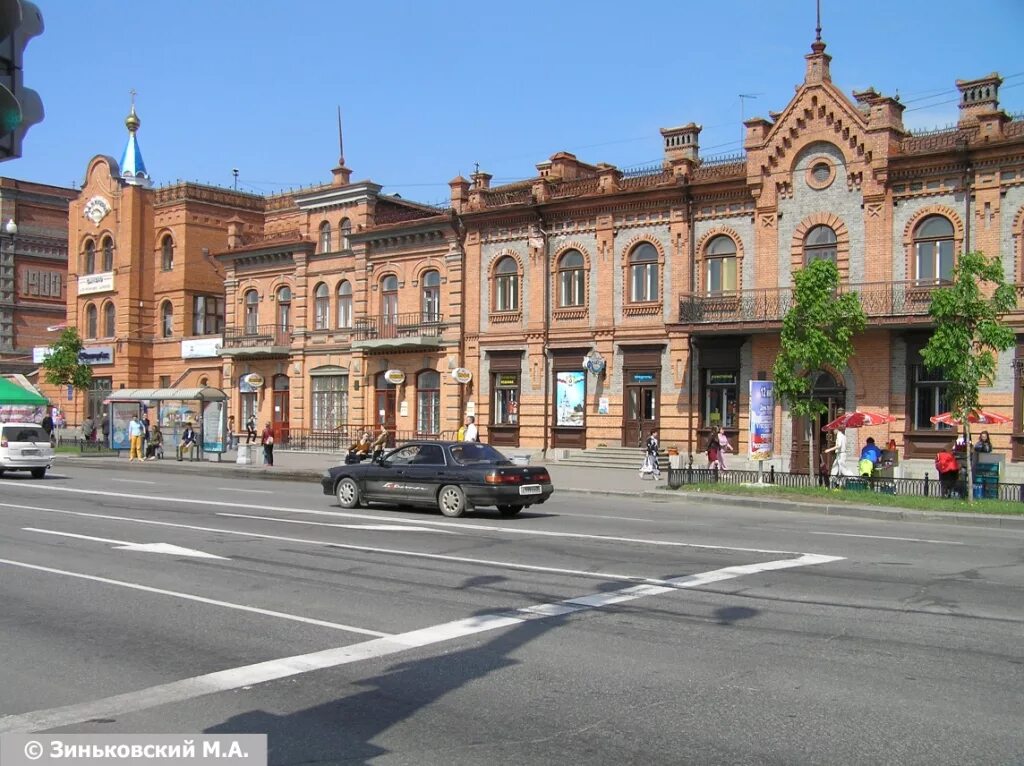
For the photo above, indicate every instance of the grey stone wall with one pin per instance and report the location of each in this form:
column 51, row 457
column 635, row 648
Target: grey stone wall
column 905, row 210
column 742, row 224
column 626, row 237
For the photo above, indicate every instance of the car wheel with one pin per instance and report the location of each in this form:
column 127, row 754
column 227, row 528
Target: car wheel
column 38, row 473
column 451, row 500
column 509, row 510
column 348, row 493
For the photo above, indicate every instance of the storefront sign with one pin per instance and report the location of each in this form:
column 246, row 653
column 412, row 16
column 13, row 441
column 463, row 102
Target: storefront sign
column 200, row 348
column 722, row 378
column 508, row 381
column 96, row 283
column 643, row 377
column 251, row 383
column 762, row 419
column 462, row 375
column 394, row 377
column 96, row 355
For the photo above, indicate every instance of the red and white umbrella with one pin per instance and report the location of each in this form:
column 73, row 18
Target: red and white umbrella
column 859, row 419
column 974, row 416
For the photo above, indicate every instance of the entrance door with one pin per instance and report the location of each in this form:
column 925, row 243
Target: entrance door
column 279, row 416
column 641, row 410
column 385, row 411
column 828, row 392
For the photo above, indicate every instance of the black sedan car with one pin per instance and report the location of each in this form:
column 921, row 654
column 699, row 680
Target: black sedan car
column 452, row 476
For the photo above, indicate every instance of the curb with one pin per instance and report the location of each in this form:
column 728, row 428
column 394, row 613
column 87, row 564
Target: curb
column 663, row 493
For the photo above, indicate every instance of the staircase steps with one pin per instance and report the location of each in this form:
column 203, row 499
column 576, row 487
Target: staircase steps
column 630, row 458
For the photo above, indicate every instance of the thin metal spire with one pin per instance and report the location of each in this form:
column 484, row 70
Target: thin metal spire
column 341, row 142
column 817, row 29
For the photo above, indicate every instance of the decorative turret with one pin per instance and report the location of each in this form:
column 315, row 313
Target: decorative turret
column 341, row 175
column 978, row 97
column 133, row 169
column 817, row 60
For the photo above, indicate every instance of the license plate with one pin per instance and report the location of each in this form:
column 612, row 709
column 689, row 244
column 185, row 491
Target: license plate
column 530, row 489
column 30, row 452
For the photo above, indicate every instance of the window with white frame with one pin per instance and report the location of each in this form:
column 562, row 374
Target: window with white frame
column 321, row 307
column 329, row 401
column 325, row 237
column 345, row 304
column 571, row 279
column 428, row 403
column 284, row 307
column 643, row 273
column 344, row 230
column 252, row 312
column 933, row 250
column 430, row 299
column 506, row 285
column 167, row 253
column 167, row 319
column 720, row 264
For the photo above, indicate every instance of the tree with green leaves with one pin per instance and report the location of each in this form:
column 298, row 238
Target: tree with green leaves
column 61, row 367
column 969, row 332
column 817, row 332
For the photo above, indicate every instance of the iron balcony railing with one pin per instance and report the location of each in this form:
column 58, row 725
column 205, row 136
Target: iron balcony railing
column 879, row 300
column 257, row 336
column 419, row 324
column 341, row 438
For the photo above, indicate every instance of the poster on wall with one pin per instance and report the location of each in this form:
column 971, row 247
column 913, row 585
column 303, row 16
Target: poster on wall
column 213, row 427
column 120, row 416
column 570, row 395
column 602, row 405
column 762, row 420
column 21, row 413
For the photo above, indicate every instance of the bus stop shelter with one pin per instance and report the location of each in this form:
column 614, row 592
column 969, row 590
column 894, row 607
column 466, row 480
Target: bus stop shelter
column 205, row 409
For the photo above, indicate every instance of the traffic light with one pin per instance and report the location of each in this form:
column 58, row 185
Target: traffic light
column 20, row 107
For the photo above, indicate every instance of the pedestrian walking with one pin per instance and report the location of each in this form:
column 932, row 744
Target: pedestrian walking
column 650, row 468
column 723, row 446
column 712, row 448
column 135, row 432
column 949, row 470
column 267, row 440
column 839, row 470
column 471, row 434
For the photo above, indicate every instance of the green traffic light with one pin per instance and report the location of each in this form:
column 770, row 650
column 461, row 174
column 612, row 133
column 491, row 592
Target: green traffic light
column 10, row 112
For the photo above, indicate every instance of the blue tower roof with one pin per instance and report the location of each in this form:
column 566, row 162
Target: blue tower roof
column 133, row 169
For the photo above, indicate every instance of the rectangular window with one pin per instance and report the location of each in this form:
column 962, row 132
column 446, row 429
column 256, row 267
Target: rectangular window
column 506, row 399
column 507, row 289
column 428, row 412
column 207, row 315
column 721, row 398
column 929, row 398
column 721, row 275
column 165, row 381
column 935, row 261
column 645, row 282
column 330, row 401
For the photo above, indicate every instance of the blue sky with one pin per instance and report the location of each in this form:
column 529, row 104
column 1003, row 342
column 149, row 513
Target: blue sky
column 427, row 89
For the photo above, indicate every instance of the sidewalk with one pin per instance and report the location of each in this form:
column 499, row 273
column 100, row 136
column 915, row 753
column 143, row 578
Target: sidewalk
column 309, row 466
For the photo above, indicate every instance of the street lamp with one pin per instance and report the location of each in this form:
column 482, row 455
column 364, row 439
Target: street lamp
column 7, row 286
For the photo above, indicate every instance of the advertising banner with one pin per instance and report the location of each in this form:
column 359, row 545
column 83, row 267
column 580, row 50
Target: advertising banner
column 200, row 348
column 213, row 427
column 120, row 416
column 762, row 419
column 570, row 396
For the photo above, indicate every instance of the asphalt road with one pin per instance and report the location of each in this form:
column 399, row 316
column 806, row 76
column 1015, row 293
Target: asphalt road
column 591, row 630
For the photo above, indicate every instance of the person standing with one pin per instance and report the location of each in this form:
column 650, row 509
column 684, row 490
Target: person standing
column 47, row 425
column 267, row 440
column 88, row 429
column 231, row 432
column 839, row 448
column 723, row 447
column 471, row 433
column 650, row 465
column 135, row 432
column 250, row 429
column 105, row 429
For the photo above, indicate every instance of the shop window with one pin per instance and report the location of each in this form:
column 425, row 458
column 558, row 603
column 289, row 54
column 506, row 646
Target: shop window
column 428, row 403
column 933, row 250
column 505, row 411
column 570, row 398
column 643, row 273
column 329, row 401
column 929, row 395
column 721, row 399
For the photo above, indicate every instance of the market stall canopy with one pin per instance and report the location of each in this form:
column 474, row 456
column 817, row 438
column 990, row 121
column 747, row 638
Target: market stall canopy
column 12, row 393
column 207, row 394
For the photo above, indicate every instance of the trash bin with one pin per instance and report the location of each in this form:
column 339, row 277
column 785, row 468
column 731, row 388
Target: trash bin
column 244, row 454
column 675, row 461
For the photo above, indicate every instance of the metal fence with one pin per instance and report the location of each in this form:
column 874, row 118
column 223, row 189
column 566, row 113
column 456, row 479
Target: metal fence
column 924, row 487
column 340, row 439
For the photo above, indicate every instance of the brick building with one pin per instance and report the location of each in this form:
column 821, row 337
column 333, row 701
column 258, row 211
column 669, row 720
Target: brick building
column 33, row 268
column 579, row 308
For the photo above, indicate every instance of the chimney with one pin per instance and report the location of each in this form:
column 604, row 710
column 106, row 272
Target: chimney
column 757, row 132
column 978, row 97
column 882, row 112
column 234, row 232
column 460, row 193
column 481, row 180
column 682, row 145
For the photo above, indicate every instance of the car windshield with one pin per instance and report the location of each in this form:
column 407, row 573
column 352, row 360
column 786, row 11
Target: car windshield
column 472, row 453
column 24, row 434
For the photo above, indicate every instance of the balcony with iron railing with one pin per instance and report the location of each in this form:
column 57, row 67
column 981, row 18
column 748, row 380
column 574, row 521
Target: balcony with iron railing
column 397, row 332
column 897, row 304
column 257, row 341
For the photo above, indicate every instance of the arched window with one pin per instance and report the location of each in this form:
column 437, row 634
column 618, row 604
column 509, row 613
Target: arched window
column 321, row 307
column 344, row 230
column 389, row 306
column 167, row 253
column 428, row 404
column 325, row 237
column 108, row 254
column 430, row 299
column 284, row 307
column 506, row 285
column 933, row 249
column 166, row 319
column 90, row 321
column 109, row 320
column 720, row 257
column 643, row 273
column 820, row 245
column 252, row 312
column 570, row 279
column 345, row 304
column 90, row 257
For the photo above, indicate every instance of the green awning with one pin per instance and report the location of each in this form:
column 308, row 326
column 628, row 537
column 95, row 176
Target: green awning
column 12, row 393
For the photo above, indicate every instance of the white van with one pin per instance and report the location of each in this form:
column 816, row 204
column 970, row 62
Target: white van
column 25, row 447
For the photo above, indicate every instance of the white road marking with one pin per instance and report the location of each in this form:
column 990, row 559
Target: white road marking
column 367, row 527
column 453, row 525
column 191, row 597
column 134, row 481
column 253, row 491
column 262, row 672
column 351, row 547
column 880, row 537
column 174, row 550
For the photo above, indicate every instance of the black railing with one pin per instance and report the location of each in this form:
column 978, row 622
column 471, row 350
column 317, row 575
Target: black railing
column 878, row 299
column 924, row 487
column 255, row 336
column 419, row 324
column 341, row 438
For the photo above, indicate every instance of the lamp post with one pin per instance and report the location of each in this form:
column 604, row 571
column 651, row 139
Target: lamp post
column 10, row 229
